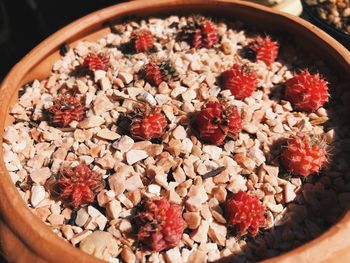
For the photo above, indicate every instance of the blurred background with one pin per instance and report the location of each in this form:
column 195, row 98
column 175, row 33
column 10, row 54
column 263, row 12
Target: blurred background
column 25, row 23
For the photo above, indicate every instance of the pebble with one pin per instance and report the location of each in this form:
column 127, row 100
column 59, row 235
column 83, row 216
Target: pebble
column 105, row 83
column 86, row 159
column 93, row 212
column 217, row 233
column 213, row 151
column 80, row 236
column 100, row 244
column 198, row 256
column 38, row 195
column 118, row 82
column 271, row 170
column 108, row 134
column 133, row 156
column 289, row 194
column 40, row 176
column 154, row 150
column 147, row 97
column 200, row 235
column 272, row 180
column 154, row 189
column 90, row 122
column 134, row 182
column 67, row 231
column 275, row 208
column 189, row 95
column 124, row 144
column 193, row 219
column 114, row 209
column 177, row 91
column 163, row 88
column 127, row 255
column 173, row 255
column 117, row 183
column 125, row 77
column 237, row 183
column 187, row 145
column 161, row 99
column 101, row 221
column 82, row 217
column 56, row 220
column 179, row 133
column 99, row 74
column 229, row 146
column 19, row 147
column 174, row 197
column 256, row 155
column 193, row 204
column 133, row 92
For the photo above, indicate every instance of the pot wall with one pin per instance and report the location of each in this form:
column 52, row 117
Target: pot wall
column 24, row 238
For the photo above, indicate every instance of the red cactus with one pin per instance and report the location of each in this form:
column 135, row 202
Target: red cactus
column 143, row 40
column 240, row 81
column 245, row 213
column 96, row 62
column 302, row 156
column 160, row 224
column 214, row 123
column 79, row 185
column 65, row 110
column 266, row 49
column 307, row 92
column 153, row 74
column 150, row 126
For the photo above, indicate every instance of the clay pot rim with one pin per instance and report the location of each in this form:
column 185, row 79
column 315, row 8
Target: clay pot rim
column 32, row 228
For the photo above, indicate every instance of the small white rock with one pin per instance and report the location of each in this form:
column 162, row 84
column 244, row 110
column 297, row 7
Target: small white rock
column 133, row 183
column 101, row 245
column 237, row 183
column 124, row 144
column 133, row 156
column 99, row 74
column 147, row 97
column 19, row 147
column 289, row 194
column 90, row 122
column 114, row 209
column 177, row 91
column 82, row 217
column 161, row 99
column 179, row 133
column 108, row 134
column 201, row 233
column 101, row 221
column 173, row 255
column 213, row 151
column 40, row 176
column 154, row 189
column 187, row 145
column 125, row 77
column 80, row 236
column 105, row 83
column 229, row 146
column 189, row 95
column 93, row 212
column 38, row 194
column 86, row 159
column 275, row 208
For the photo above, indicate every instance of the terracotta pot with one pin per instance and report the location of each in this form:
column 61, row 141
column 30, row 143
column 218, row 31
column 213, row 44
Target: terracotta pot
column 24, row 238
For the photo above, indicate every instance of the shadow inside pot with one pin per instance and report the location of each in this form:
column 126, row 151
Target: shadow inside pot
column 321, row 199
